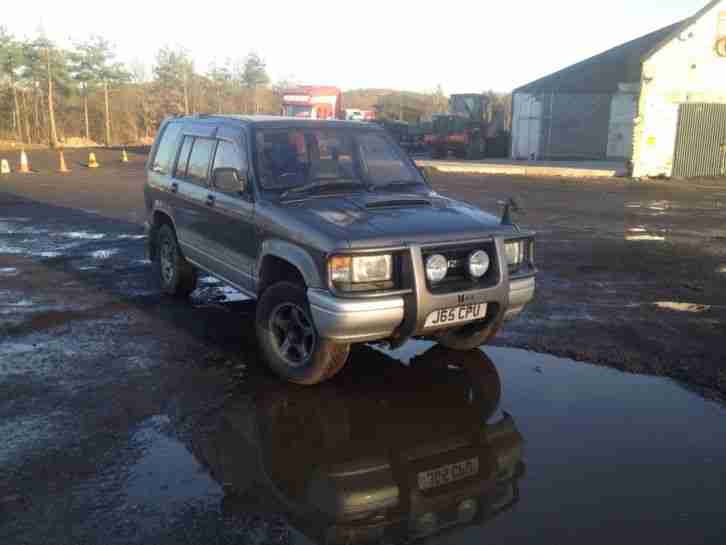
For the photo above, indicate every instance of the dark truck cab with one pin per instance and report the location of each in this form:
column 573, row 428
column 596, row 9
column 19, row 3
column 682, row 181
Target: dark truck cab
column 336, row 233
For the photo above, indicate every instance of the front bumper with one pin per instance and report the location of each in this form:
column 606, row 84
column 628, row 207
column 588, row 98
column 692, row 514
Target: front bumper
column 355, row 320
column 361, row 320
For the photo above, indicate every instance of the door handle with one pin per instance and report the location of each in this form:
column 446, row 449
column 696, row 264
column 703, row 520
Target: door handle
column 174, row 187
column 210, row 200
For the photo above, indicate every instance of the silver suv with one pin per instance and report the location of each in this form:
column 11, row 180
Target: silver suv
column 336, row 233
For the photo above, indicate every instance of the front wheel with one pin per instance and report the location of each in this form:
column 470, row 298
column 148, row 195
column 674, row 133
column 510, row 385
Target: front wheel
column 470, row 336
column 288, row 338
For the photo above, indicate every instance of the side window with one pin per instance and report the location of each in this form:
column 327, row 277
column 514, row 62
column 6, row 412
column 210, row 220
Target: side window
column 167, row 148
column 199, row 160
column 181, row 164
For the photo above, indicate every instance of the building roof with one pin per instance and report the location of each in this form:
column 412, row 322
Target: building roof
column 622, row 64
column 602, row 73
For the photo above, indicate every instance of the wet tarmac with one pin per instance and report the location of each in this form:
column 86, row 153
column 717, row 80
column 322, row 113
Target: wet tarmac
column 128, row 417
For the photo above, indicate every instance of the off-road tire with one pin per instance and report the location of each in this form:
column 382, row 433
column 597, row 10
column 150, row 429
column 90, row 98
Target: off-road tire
column 470, row 336
column 327, row 357
column 181, row 278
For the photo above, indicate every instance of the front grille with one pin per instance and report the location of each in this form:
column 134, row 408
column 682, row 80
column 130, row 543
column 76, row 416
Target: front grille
column 457, row 277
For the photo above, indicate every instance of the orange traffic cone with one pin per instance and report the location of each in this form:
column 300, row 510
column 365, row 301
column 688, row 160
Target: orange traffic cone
column 92, row 163
column 24, row 167
column 62, row 163
column 4, row 167
column 124, row 156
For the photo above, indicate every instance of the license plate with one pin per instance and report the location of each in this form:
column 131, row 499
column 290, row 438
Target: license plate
column 456, row 315
column 447, row 474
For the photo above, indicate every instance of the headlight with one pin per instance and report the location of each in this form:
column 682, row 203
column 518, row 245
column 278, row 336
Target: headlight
column 436, row 267
column 360, row 269
column 478, row 264
column 515, row 253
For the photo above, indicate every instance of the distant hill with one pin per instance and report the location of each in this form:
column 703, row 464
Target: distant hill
column 407, row 105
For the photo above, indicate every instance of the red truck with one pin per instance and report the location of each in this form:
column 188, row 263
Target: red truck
column 313, row 102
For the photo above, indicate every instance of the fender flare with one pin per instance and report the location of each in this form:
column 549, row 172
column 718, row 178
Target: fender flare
column 296, row 256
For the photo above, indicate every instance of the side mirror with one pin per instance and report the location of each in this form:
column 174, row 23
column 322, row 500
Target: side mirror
column 426, row 173
column 229, row 180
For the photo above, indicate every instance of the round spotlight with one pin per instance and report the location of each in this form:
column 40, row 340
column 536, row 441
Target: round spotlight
column 478, row 264
column 436, row 267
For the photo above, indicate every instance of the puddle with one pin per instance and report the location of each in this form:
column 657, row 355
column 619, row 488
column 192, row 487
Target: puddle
column 8, row 271
column 167, row 477
column 130, row 237
column 48, row 254
column 637, row 230
column 683, row 307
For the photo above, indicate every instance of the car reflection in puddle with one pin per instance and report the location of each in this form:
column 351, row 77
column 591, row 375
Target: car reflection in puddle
column 378, row 454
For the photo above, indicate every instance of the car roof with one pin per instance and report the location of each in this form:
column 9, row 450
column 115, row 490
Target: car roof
column 274, row 121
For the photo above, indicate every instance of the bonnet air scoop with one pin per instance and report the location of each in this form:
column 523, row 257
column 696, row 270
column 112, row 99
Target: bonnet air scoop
column 398, row 203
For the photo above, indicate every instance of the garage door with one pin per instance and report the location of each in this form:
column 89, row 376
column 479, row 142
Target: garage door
column 701, row 141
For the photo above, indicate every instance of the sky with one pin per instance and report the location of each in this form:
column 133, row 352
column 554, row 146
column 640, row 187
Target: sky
column 462, row 45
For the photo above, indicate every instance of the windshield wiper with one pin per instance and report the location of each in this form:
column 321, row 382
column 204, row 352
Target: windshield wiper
column 320, row 182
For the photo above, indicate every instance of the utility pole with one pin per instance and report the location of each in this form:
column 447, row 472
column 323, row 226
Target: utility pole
column 186, row 92
column 108, row 113
column 52, row 135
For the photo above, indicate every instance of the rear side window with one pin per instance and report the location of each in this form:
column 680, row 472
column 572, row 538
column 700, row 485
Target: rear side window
column 199, row 160
column 167, row 149
column 181, row 164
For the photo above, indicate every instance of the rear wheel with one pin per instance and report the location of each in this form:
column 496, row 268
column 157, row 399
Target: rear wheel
column 470, row 336
column 288, row 338
column 176, row 275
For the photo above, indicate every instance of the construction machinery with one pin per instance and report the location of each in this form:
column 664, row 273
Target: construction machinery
column 463, row 130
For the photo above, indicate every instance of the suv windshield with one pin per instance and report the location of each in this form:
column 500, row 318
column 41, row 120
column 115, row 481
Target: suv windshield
column 304, row 158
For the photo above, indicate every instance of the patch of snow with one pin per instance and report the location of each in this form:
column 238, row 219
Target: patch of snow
column 644, row 237
column 210, row 280
column 22, row 303
column 84, row 235
column 15, row 348
column 49, row 254
column 130, row 237
column 8, row 271
column 10, row 249
column 103, row 254
column 683, row 307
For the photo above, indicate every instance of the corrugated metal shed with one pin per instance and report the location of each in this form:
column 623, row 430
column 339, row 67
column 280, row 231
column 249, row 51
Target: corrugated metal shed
column 602, row 73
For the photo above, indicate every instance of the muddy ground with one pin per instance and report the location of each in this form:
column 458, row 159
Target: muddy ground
column 111, row 395
column 633, row 274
